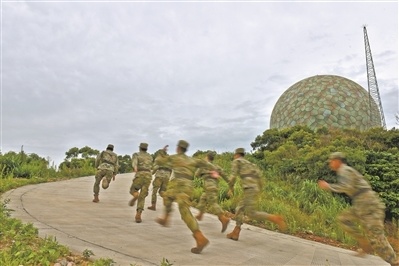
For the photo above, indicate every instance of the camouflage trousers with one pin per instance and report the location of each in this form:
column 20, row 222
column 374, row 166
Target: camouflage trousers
column 99, row 176
column 210, row 198
column 247, row 206
column 365, row 219
column 159, row 184
column 140, row 184
column 180, row 190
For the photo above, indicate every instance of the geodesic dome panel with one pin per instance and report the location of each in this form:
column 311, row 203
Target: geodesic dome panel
column 326, row 100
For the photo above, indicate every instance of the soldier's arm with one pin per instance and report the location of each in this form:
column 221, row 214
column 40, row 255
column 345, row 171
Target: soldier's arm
column 223, row 174
column 116, row 168
column 234, row 174
column 134, row 162
column 162, row 159
column 197, row 173
column 154, row 168
column 98, row 159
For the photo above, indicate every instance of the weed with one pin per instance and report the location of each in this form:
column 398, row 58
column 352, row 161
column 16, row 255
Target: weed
column 87, row 253
column 165, row 262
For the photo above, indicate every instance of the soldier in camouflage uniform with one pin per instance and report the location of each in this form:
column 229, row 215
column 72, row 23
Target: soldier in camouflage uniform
column 107, row 167
column 367, row 210
column 210, row 195
column 142, row 163
column 180, row 189
column 161, row 180
column 250, row 176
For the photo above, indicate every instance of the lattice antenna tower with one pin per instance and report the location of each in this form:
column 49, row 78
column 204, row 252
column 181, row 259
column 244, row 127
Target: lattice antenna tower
column 374, row 94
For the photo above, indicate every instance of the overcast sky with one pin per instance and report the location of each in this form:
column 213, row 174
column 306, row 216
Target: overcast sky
column 77, row 73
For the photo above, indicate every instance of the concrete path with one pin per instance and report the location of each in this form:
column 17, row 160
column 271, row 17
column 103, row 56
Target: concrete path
column 64, row 209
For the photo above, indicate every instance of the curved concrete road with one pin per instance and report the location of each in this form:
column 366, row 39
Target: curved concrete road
column 64, row 209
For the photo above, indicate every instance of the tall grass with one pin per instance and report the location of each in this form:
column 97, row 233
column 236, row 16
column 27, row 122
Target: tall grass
column 306, row 208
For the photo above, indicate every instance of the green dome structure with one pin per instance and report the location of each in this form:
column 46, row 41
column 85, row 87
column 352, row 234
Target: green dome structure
column 326, row 101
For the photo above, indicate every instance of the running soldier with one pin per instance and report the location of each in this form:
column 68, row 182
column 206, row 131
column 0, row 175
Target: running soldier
column 142, row 163
column 107, row 167
column 161, row 180
column 210, row 195
column 180, row 189
column 367, row 210
column 250, row 176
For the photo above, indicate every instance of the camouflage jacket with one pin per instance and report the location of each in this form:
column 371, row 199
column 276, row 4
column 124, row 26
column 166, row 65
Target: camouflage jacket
column 107, row 160
column 142, row 161
column 350, row 182
column 183, row 166
column 249, row 173
column 206, row 173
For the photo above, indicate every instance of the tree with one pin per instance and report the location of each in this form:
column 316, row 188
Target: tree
column 88, row 152
column 72, row 153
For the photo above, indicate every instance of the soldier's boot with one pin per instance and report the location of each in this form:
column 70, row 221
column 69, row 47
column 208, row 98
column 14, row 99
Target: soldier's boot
column 235, row 234
column 199, row 216
column 224, row 220
column 96, row 199
column 152, row 207
column 133, row 200
column 138, row 216
column 201, row 240
column 395, row 263
column 105, row 183
column 163, row 221
column 365, row 247
column 279, row 220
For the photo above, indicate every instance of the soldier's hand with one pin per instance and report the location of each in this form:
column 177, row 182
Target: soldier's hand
column 323, row 184
column 215, row 174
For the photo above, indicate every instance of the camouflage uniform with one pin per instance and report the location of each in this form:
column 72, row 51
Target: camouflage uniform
column 142, row 163
column 367, row 210
column 211, row 188
column 180, row 189
column 250, row 180
column 160, row 183
column 107, row 167
column 250, row 176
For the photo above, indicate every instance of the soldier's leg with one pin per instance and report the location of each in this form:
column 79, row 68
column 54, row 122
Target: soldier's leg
column 107, row 179
column 168, row 199
column 239, row 216
column 201, row 206
column 250, row 195
column 184, row 190
column 156, row 184
column 134, row 190
column 373, row 222
column 212, row 200
column 164, row 184
column 350, row 222
column 183, row 200
column 145, row 183
column 98, row 177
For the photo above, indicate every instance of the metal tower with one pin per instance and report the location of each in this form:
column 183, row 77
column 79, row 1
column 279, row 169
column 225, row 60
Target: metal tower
column 374, row 94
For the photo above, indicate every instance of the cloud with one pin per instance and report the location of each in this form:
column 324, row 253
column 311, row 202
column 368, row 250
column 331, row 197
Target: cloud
column 92, row 73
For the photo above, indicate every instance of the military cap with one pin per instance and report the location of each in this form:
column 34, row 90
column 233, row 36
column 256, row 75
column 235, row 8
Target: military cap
column 240, row 151
column 212, row 153
column 183, row 144
column 336, row 155
column 143, row 145
column 110, row 147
